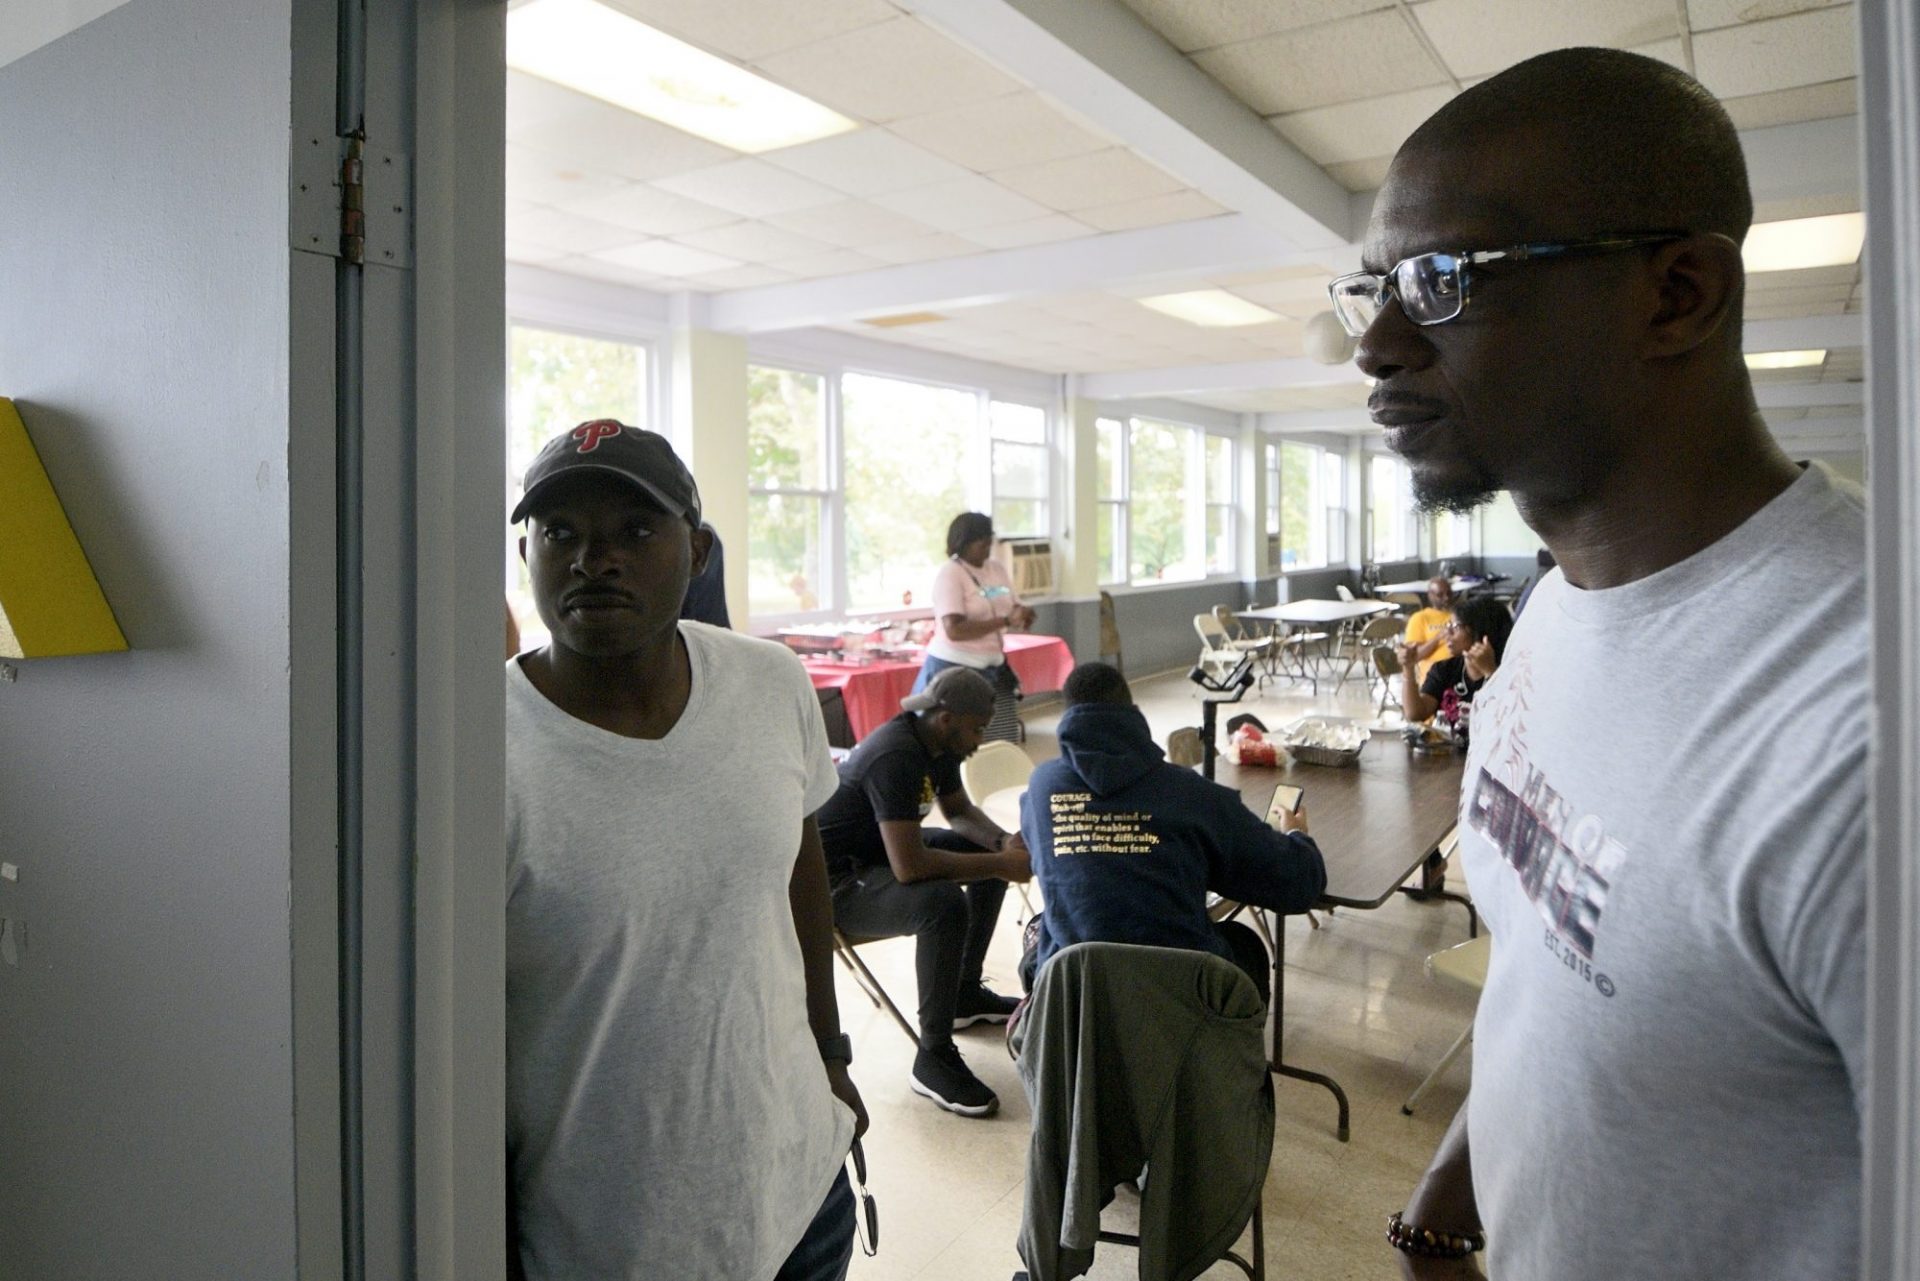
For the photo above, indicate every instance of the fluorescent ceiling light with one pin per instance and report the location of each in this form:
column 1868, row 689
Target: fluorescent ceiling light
column 1830, row 241
column 1214, row 308
column 904, row 319
column 1785, row 359
column 591, row 48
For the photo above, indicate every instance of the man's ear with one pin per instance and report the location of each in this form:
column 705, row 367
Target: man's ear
column 523, row 549
column 702, row 540
column 1698, row 283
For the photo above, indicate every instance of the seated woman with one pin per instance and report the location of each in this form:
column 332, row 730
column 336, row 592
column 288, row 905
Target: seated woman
column 973, row 604
column 1477, row 634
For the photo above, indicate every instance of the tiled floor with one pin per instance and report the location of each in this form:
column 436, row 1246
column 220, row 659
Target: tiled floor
column 1360, row 1007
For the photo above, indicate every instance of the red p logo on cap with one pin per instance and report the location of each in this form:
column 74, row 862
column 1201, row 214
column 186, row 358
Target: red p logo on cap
column 591, row 434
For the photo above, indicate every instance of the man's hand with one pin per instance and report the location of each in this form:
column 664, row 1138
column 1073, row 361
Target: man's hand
column 1481, row 662
column 841, row 1082
column 1293, row 820
column 1016, row 865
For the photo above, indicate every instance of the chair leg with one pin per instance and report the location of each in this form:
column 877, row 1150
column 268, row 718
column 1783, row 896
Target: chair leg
column 1446, row 1060
column 871, row 985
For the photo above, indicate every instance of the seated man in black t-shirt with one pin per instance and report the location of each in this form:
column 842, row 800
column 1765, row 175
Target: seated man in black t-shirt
column 1477, row 634
column 891, row 876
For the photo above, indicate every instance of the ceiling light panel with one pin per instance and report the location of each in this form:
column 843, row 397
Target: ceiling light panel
column 1785, row 359
column 1210, row 308
column 593, row 49
column 1829, row 241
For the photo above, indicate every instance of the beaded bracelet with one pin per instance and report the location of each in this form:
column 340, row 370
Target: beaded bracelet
column 1426, row 1243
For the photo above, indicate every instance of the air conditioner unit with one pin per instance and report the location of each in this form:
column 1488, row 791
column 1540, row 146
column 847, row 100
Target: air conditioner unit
column 1029, row 564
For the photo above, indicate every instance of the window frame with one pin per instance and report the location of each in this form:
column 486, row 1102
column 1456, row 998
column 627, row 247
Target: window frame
column 1329, row 485
column 832, row 525
column 1196, row 504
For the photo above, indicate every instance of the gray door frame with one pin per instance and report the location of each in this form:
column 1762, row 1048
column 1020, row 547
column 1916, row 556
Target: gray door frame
column 396, row 460
column 1890, row 112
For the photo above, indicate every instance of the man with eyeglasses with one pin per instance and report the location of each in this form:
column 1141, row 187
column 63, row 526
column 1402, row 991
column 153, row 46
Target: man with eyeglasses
column 1663, row 816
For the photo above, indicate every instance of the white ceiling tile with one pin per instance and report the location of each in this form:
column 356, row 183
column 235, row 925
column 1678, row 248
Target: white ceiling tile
column 1792, row 106
column 888, row 71
column 1202, row 24
column 1360, row 175
column 866, row 162
column 536, row 178
column 1154, row 211
column 921, row 249
column 1107, row 177
column 601, row 136
column 1705, row 15
column 1479, row 37
column 1017, row 129
column 968, row 202
column 750, row 29
column 601, row 269
column 1035, row 231
column 567, row 232
column 1363, row 128
column 1759, row 57
column 1360, row 57
column 751, row 188
column 648, row 210
column 532, row 102
column 528, row 252
column 841, row 262
column 665, row 258
column 850, row 224
column 748, row 277
column 754, row 242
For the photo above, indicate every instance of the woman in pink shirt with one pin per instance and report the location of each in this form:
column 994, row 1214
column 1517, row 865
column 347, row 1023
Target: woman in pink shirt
column 973, row 603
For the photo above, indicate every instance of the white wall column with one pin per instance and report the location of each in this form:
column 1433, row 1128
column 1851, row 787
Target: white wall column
column 1078, row 550
column 1253, row 501
column 710, row 428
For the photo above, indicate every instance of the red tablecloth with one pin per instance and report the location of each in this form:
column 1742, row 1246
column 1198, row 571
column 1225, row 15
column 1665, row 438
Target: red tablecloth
column 873, row 690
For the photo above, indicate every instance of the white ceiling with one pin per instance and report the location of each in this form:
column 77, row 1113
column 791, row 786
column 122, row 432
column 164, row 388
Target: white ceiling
column 957, row 161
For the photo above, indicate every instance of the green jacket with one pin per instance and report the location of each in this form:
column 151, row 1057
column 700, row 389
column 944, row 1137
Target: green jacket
column 1137, row 1057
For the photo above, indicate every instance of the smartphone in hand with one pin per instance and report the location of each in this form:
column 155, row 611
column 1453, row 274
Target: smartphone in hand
column 1286, row 798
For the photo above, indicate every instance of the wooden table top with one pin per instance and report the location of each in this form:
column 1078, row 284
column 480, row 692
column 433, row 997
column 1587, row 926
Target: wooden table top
column 1316, row 611
column 1376, row 823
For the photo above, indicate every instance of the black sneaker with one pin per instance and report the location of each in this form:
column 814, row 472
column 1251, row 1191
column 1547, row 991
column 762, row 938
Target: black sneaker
column 980, row 1004
column 942, row 1075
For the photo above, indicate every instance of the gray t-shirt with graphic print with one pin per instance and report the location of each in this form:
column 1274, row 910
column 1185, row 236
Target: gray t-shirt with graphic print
column 1664, row 825
column 668, row 1114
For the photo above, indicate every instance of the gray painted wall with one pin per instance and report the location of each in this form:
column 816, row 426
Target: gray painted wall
column 146, row 1094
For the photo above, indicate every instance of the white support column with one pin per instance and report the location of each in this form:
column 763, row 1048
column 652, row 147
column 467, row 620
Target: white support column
column 1079, row 547
column 1252, row 501
column 710, row 428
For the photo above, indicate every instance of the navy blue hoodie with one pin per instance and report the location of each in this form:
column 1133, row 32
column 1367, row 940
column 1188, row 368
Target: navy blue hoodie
column 1126, row 846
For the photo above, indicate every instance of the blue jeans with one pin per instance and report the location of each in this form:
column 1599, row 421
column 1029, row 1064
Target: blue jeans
column 825, row 1251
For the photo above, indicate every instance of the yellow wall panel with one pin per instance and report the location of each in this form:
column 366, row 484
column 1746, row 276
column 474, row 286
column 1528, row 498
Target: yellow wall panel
column 50, row 602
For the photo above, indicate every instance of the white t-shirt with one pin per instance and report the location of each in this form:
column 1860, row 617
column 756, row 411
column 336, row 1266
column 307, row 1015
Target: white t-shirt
column 668, row 1114
column 1664, row 826
column 977, row 595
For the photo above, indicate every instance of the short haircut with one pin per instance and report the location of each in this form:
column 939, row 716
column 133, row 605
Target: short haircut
column 1487, row 619
column 968, row 527
column 1097, row 683
column 1646, row 146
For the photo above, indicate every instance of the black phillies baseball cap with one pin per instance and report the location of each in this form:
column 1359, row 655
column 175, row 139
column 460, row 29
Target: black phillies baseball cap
column 959, row 690
column 641, row 457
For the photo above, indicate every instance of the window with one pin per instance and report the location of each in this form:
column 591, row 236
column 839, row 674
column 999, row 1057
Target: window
column 1311, row 514
column 556, row 381
column 788, row 490
column 1110, row 489
column 906, row 447
column 1452, row 535
column 1018, row 445
column 1392, row 520
column 1217, row 455
column 1166, row 494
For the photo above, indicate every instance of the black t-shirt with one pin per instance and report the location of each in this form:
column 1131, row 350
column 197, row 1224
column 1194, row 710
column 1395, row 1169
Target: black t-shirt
column 1448, row 685
column 891, row 776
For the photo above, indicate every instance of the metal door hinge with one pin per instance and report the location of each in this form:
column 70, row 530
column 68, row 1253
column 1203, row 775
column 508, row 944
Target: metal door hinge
column 351, row 201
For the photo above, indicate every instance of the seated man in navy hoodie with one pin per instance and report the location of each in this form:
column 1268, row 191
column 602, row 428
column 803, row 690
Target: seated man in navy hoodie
column 1126, row 846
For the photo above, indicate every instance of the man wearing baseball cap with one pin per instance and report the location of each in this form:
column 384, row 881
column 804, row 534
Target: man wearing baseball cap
column 891, row 876
column 678, row 1102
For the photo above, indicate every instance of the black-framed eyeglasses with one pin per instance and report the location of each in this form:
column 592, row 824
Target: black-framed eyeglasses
column 866, row 1213
column 1432, row 288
